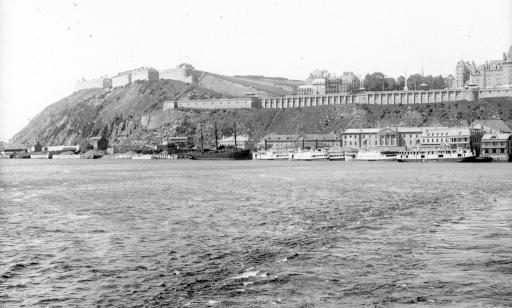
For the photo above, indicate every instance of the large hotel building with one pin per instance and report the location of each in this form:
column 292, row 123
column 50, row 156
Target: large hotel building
column 492, row 74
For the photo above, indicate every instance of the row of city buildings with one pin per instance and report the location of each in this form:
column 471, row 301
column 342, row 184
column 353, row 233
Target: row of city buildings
column 182, row 72
column 97, row 143
column 489, row 75
column 487, row 138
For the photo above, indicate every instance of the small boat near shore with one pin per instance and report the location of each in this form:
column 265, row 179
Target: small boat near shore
column 436, row 155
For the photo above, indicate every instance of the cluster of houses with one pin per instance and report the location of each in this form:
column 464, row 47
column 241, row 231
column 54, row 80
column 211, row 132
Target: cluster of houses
column 13, row 150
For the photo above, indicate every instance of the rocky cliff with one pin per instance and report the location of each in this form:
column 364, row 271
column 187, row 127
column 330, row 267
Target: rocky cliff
column 133, row 115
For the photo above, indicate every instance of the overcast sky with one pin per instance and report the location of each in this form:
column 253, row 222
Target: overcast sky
column 46, row 46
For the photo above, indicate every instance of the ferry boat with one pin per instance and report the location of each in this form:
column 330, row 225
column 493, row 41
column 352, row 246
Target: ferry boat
column 376, row 155
column 436, row 155
column 316, row 154
column 272, row 155
column 336, row 154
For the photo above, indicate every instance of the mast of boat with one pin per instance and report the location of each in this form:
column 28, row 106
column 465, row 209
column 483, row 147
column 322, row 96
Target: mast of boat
column 234, row 125
column 202, row 147
column 216, row 141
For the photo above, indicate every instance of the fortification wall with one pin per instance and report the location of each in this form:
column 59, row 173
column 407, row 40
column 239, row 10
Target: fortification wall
column 226, row 103
column 144, row 74
column 494, row 93
column 382, row 98
column 367, row 98
column 121, row 80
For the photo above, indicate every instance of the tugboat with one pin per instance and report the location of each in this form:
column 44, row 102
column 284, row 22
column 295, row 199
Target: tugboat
column 220, row 153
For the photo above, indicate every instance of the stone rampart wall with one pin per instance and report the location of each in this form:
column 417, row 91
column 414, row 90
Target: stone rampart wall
column 382, row 98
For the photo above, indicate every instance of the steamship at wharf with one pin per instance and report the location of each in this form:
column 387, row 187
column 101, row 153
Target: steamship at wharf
column 273, row 155
column 220, row 153
column 310, row 154
column 436, row 155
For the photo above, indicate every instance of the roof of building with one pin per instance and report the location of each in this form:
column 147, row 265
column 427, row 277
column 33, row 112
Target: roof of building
column 502, row 136
column 446, row 131
column 408, row 129
column 276, row 137
column 362, row 131
column 498, row 125
column 14, row 146
column 321, row 137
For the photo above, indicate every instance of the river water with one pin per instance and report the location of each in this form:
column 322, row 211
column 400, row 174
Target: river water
column 254, row 234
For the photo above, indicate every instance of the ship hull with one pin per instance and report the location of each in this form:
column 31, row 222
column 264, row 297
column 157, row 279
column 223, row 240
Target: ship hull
column 437, row 156
column 438, row 160
column 221, row 155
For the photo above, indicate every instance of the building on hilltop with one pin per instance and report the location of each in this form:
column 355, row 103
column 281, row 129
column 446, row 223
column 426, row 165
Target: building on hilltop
column 127, row 77
column 321, row 82
column 491, row 74
column 102, row 82
column 121, row 80
column 182, row 72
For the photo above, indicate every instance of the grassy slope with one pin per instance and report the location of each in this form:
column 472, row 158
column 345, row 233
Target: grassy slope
column 240, row 85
